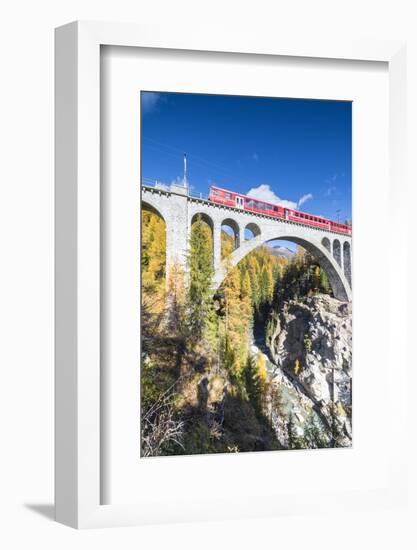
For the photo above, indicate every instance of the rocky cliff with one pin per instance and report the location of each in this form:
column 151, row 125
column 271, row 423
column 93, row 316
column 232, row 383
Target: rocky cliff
column 308, row 344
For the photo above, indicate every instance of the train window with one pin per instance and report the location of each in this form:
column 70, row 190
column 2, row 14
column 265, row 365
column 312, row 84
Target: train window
column 228, row 196
column 275, row 208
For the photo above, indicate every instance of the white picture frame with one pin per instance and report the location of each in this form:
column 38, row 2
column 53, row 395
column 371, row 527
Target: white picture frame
column 78, row 406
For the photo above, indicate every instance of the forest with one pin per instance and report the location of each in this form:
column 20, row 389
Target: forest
column 219, row 373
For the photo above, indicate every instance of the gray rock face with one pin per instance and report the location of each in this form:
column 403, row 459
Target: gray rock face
column 311, row 344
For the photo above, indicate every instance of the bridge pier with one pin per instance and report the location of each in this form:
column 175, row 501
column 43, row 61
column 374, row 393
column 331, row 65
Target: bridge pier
column 217, row 246
column 347, row 261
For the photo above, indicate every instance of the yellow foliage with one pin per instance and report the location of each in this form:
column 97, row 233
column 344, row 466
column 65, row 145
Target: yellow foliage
column 246, row 300
column 300, row 256
column 175, row 298
column 260, row 378
column 232, row 303
column 270, row 284
column 246, row 290
column 227, row 245
column 297, row 366
column 340, row 411
column 153, row 255
column 175, row 284
column 261, row 371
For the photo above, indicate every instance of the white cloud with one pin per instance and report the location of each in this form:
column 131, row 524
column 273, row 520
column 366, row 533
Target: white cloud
column 160, row 185
column 150, row 101
column 330, row 190
column 331, row 187
column 265, row 193
column 179, row 180
column 304, row 199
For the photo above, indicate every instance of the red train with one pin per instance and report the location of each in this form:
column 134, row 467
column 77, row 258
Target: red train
column 229, row 198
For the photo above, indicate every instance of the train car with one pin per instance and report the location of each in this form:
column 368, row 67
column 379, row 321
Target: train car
column 229, row 198
column 341, row 228
column 221, row 196
column 266, row 208
column 236, row 200
column 307, row 219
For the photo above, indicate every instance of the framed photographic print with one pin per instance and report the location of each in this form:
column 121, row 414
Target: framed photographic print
column 246, row 295
column 220, row 305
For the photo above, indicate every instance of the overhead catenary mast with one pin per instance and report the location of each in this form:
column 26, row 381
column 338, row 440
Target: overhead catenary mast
column 185, row 171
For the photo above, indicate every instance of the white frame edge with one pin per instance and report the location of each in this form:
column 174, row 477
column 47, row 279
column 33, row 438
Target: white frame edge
column 77, row 230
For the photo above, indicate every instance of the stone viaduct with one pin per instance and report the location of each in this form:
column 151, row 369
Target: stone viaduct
column 331, row 250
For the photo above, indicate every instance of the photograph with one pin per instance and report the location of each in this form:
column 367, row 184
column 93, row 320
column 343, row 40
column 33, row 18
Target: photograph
column 245, row 229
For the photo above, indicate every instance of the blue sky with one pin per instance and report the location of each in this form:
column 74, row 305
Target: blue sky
column 289, row 151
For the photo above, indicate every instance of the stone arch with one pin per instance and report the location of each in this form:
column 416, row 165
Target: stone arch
column 209, row 221
column 324, row 258
column 326, row 243
column 347, row 261
column 148, row 206
column 337, row 253
column 205, row 218
column 229, row 222
column 254, row 229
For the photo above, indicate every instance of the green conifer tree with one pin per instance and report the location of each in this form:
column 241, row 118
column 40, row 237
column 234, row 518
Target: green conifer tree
column 324, row 282
column 200, row 267
column 294, row 441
